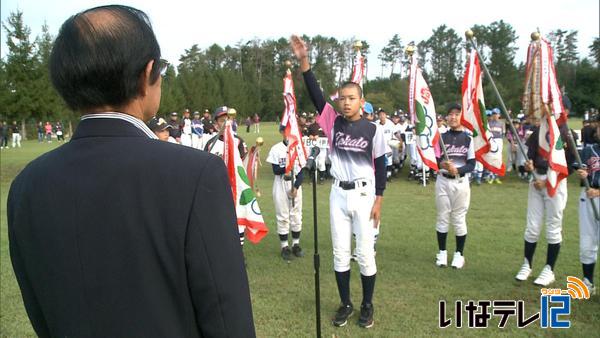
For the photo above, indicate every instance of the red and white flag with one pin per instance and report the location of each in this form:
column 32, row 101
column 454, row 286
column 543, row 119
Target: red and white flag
column 358, row 70
column 551, row 146
column 296, row 150
column 543, row 99
column 473, row 117
column 251, row 164
column 423, row 117
column 246, row 205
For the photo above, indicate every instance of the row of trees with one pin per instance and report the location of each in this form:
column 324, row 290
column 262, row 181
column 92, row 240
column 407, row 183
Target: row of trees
column 248, row 75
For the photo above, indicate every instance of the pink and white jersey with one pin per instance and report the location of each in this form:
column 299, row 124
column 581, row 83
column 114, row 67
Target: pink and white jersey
column 353, row 145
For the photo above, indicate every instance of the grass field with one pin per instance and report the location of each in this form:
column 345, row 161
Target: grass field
column 408, row 287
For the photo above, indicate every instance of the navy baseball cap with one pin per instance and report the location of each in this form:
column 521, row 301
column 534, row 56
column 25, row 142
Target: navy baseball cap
column 454, row 106
column 158, row 124
column 220, row 111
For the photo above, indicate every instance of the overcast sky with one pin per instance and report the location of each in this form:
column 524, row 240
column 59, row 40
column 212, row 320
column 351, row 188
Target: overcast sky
column 180, row 24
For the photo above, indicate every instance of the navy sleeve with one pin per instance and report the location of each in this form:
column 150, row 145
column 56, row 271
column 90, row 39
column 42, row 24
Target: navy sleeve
column 277, row 170
column 468, row 167
column 380, row 175
column 314, row 91
column 299, row 179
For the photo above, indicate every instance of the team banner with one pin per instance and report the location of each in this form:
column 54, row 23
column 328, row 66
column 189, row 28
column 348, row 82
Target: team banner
column 358, row 71
column 541, row 86
column 296, row 150
column 422, row 111
column 473, row 117
column 542, row 98
column 246, row 205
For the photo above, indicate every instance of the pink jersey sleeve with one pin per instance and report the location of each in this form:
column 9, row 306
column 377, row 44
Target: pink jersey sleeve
column 326, row 119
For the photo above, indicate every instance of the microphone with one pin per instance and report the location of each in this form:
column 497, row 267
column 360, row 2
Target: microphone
column 310, row 162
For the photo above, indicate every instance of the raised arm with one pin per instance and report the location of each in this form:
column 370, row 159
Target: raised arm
column 314, row 91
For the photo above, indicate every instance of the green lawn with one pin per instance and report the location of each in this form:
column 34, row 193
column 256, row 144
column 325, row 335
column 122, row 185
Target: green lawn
column 409, row 286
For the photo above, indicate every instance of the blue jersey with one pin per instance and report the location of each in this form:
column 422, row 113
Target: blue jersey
column 590, row 156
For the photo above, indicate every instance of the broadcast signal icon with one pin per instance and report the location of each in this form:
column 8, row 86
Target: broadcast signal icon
column 576, row 288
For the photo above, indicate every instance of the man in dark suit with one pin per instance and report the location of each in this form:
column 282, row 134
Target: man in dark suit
column 122, row 253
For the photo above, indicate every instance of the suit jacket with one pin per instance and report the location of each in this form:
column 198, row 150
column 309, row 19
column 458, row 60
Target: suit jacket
column 115, row 234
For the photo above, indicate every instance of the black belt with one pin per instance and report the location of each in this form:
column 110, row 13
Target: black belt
column 452, row 176
column 286, row 177
column 349, row 185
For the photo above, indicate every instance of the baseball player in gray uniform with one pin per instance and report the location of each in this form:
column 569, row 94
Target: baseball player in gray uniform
column 540, row 204
column 452, row 190
column 358, row 167
column 287, row 198
column 588, row 224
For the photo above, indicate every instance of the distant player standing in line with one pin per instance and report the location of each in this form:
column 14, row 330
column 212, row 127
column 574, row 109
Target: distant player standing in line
column 588, row 224
column 287, row 198
column 358, row 167
column 497, row 128
column 197, row 131
column 452, row 190
column 388, row 134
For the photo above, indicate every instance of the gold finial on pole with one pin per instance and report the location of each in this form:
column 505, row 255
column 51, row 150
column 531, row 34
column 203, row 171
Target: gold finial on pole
column 357, row 45
column 535, row 36
column 231, row 112
column 288, row 63
column 410, row 49
column 469, row 34
column 260, row 141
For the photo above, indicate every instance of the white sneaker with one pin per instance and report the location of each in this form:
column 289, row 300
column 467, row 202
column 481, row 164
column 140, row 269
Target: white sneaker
column 524, row 272
column 590, row 286
column 441, row 259
column 458, row 261
column 546, row 277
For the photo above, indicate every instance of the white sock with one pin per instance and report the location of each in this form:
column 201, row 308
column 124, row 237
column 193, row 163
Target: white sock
column 295, row 241
column 283, row 244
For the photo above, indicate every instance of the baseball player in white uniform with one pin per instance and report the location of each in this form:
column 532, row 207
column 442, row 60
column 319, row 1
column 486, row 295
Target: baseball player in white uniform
column 316, row 138
column 589, row 226
column 358, row 167
column 388, row 129
column 540, row 205
column 197, row 131
column 186, row 129
column 287, row 198
column 497, row 128
column 452, row 190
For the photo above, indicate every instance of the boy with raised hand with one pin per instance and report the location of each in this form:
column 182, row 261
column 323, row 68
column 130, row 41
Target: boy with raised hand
column 357, row 153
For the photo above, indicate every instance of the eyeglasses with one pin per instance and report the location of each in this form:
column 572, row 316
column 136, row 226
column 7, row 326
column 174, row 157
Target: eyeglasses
column 163, row 65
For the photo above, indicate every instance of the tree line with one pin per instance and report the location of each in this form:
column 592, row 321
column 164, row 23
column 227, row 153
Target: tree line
column 248, row 75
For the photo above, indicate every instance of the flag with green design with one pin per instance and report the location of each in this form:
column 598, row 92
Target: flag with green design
column 422, row 114
column 248, row 212
column 473, row 117
column 552, row 148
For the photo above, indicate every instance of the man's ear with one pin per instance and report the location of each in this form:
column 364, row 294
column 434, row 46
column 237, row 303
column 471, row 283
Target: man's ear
column 145, row 78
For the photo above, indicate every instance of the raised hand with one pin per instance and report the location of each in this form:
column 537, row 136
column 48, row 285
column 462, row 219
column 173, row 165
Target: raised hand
column 299, row 47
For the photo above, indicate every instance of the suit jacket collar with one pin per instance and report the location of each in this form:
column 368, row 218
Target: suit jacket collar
column 107, row 128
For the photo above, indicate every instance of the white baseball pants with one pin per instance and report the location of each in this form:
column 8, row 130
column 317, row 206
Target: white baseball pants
column 289, row 217
column 350, row 212
column 452, row 198
column 538, row 204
